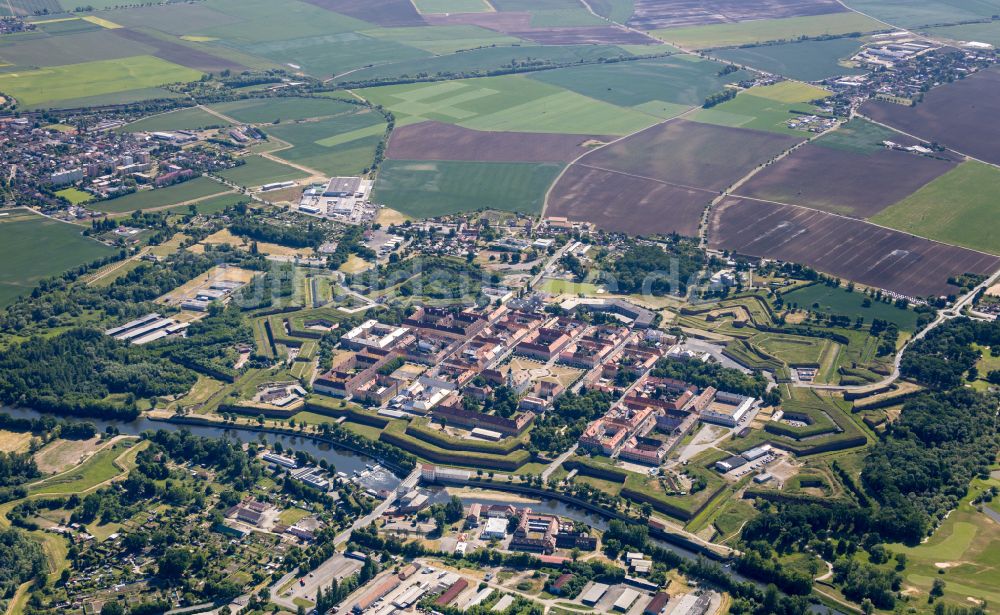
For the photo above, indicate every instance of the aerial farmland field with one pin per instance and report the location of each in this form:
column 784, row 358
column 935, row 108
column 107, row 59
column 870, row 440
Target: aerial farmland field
column 440, row 141
column 444, row 39
column 768, row 30
column 847, row 171
column 511, row 103
column 765, row 108
column 452, row 6
column 682, row 81
column 268, row 110
column 425, row 189
column 35, row 248
column 953, row 115
column 844, row 247
column 341, row 145
column 619, row 202
column 959, row 207
column 59, row 83
column 805, row 60
column 660, row 180
column 911, row 14
column 661, row 14
column 482, row 57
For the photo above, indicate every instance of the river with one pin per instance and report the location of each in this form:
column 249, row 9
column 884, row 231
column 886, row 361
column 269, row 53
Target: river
column 349, row 463
column 342, row 460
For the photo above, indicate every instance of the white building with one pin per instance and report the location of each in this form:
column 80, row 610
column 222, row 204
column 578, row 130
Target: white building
column 495, row 527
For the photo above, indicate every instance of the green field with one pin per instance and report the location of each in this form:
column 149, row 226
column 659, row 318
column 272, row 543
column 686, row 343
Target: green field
column 191, row 118
column 988, row 32
column 268, row 110
column 259, row 171
column 258, row 21
column 331, row 54
column 96, row 470
column 452, row 6
column 74, row 195
column 767, row 30
column 616, row 10
column 490, row 58
column 213, row 205
column 807, row 60
column 796, row 350
column 444, row 39
column 37, row 88
column 342, row 145
column 427, row 189
column 858, row 136
column 514, row 103
column 966, row 547
column 561, row 287
column 911, row 13
column 171, row 195
column 749, row 110
column 35, row 248
column 839, row 301
column 682, row 81
column 959, row 207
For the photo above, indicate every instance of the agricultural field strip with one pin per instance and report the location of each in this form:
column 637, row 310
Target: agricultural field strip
column 923, row 140
column 830, row 213
column 888, row 228
column 548, row 193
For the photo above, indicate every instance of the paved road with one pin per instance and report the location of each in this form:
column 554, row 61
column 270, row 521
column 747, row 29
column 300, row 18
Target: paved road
column 558, row 462
column 943, row 315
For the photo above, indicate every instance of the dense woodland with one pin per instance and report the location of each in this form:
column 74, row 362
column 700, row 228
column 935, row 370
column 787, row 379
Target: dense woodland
column 657, row 269
column 84, row 372
column 21, row 559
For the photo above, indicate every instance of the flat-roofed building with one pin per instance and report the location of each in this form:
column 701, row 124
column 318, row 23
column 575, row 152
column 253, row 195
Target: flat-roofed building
column 626, row 600
column 593, row 595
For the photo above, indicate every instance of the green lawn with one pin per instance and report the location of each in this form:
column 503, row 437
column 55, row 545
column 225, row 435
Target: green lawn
column 765, row 30
column 33, row 248
column 191, row 118
column 259, row 171
column 427, row 189
column 959, row 207
column 75, row 196
column 559, row 287
column 37, row 88
column 513, row 102
column 171, row 195
column 213, row 205
column 793, row 349
column 839, row 301
column 807, row 60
